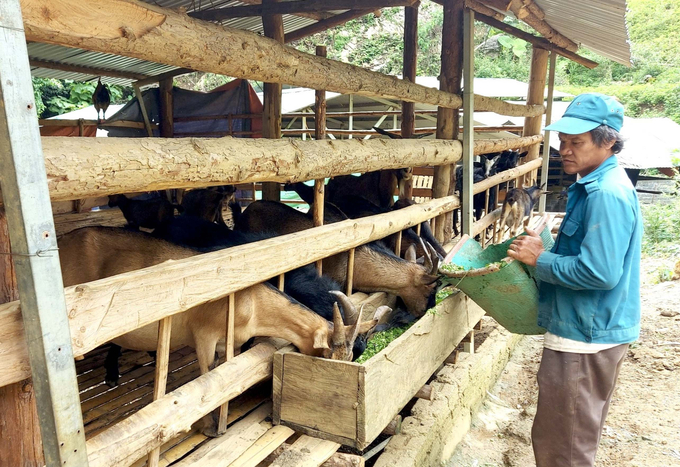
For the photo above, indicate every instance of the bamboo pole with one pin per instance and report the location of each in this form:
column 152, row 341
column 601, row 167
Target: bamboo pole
column 468, row 121
column 142, row 108
column 397, row 248
column 546, row 138
column 160, row 382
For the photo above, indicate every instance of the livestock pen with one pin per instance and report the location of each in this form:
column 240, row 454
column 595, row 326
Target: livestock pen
column 78, row 421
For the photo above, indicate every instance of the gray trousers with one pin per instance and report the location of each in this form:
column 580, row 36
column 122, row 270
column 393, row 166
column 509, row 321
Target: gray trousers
column 574, row 391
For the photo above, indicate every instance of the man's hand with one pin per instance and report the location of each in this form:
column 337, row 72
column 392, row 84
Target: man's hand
column 527, row 248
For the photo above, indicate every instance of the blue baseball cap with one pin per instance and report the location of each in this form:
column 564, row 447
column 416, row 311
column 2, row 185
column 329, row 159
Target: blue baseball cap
column 587, row 112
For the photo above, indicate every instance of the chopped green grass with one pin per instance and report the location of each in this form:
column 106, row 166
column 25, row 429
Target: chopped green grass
column 380, row 340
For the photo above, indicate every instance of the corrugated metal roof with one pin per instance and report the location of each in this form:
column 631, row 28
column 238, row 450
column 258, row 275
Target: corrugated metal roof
column 598, row 25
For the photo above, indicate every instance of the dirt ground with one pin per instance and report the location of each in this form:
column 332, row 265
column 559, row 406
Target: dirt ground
column 643, row 426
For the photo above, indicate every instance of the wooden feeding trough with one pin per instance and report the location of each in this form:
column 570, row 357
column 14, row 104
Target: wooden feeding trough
column 352, row 403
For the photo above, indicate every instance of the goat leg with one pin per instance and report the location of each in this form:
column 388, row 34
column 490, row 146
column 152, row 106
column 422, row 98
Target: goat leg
column 111, row 366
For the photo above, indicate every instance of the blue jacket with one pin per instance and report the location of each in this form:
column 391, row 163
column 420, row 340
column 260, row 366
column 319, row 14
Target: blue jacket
column 590, row 280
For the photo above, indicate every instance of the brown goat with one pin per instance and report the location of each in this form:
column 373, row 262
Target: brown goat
column 376, row 267
column 94, row 253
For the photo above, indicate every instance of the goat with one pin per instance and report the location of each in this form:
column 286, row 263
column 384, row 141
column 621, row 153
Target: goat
column 481, row 171
column 148, row 213
column 518, row 204
column 207, row 203
column 94, row 253
column 101, row 98
column 303, row 284
column 376, row 267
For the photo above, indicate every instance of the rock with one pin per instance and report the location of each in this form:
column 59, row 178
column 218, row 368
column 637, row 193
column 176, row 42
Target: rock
column 670, row 313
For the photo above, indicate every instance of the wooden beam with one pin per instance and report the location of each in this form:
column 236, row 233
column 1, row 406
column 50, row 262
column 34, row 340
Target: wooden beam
column 162, row 420
column 502, row 5
column 408, row 117
column 271, row 116
column 534, row 40
column 323, row 25
column 147, row 164
column 294, row 7
column 163, row 76
column 531, row 14
column 448, row 119
column 20, row 440
column 162, row 35
column 86, row 70
column 315, row 16
column 34, row 245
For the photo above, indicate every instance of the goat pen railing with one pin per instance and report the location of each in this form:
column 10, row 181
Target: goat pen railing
column 79, row 168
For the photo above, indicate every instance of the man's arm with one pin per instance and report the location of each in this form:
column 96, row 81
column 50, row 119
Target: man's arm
column 609, row 220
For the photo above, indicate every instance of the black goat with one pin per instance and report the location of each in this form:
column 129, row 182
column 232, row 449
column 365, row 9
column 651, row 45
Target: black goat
column 207, row 203
column 518, row 205
column 149, row 213
column 101, row 98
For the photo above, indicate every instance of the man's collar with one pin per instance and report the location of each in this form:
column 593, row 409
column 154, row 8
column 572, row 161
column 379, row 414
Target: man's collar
column 607, row 165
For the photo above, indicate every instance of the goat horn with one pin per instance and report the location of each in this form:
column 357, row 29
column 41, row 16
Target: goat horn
column 347, row 306
column 435, row 258
column 354, row 330
column 338, row 326
column 428, row 258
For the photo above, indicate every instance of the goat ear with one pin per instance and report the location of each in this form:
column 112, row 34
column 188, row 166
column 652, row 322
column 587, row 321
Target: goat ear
column 320, row 340
column 410, row 255
column 429, row 279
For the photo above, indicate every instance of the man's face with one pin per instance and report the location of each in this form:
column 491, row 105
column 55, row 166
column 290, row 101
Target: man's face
column 581, row 155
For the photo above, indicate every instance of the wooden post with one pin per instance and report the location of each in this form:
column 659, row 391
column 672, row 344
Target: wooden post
column 351, row 116
column 34, row 245
column 228, row 355
column 166, row 109
column 319, row 134
column 350, row 272
column 271, row 117
column 161, row 378
column 81, row 127
column 448, row 119
column 532, row 125
column 20, row 440
column 546, row 138
column 142, row 108
column 397, row 248
column 468, row 122
column 408, row 116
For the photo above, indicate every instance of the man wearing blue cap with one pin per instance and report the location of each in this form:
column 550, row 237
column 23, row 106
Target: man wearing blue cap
column 589, row 292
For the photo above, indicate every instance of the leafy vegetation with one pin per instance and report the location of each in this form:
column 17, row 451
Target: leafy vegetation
column 662, row 229
column 380, row 340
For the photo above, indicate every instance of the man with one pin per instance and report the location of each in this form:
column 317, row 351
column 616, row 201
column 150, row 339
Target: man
column 589, row 293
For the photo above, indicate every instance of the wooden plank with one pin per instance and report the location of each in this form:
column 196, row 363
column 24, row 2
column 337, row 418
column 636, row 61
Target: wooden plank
column 421, row 350
column 277, row 381
column 264, row 446
column 306, row 451
column 330, row 404
column 235, row 441
column 161, row 379
column 162, row 35
column 65, row 223
column 163, row 419
column 34, row 246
